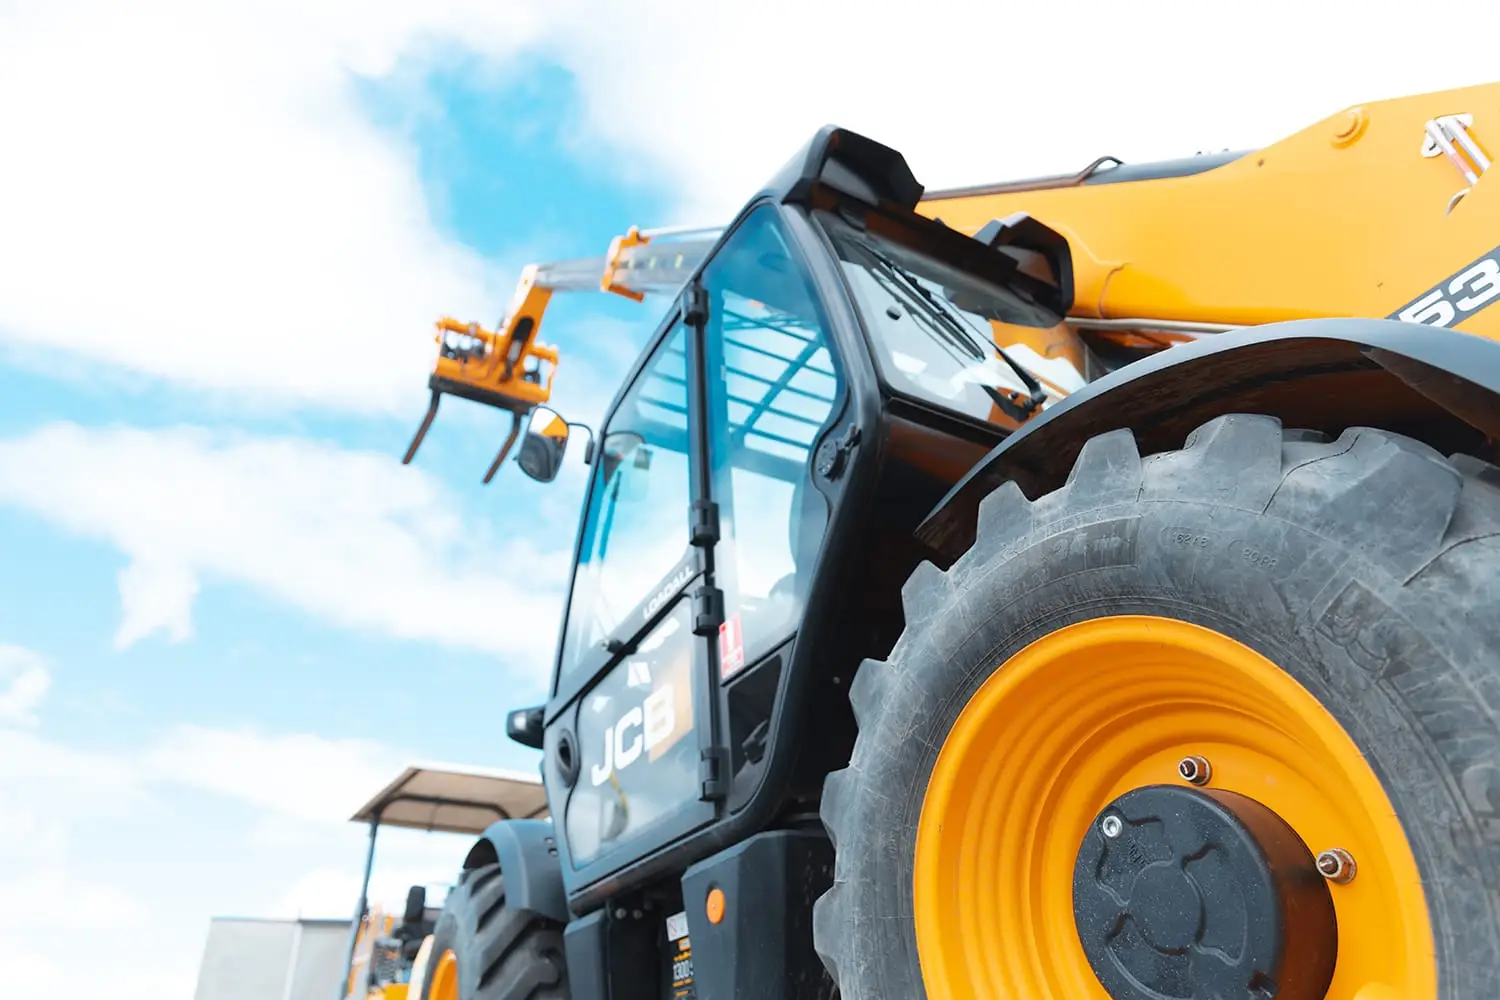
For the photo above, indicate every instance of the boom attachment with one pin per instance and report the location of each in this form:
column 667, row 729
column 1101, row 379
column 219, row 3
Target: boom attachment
column 508, row 368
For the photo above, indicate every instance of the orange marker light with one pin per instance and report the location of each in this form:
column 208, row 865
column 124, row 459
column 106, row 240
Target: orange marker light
column 715, row 905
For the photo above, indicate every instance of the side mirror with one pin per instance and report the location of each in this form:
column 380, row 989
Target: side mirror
column 524, row 726
column 544, row 446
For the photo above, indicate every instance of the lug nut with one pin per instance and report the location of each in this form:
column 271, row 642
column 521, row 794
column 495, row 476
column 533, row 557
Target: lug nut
column 1337, row 865
column 1195, row 770
column 1111, row 826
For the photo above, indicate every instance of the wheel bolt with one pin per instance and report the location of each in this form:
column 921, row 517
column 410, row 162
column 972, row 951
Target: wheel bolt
column 1337, row 865
column 1195, row 770
column 1111, row 826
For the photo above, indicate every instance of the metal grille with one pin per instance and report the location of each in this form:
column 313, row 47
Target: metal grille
column 780, row 384
column 385, row 963
column 779, row 381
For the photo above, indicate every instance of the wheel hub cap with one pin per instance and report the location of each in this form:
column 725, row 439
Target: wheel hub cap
column 1067, row 729
column 1181, row 892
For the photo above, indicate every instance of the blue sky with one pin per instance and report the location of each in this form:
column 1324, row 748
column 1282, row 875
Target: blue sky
column 229, row 614
column 203, row 759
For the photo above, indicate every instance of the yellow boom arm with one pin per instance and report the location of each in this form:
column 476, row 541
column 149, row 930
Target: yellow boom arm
column 1381, row 210
column 508, row 367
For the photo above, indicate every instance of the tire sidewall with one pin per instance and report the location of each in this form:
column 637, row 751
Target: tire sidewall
column 1307, row 604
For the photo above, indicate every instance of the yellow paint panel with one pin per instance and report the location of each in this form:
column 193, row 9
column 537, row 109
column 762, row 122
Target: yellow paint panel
column 1312, row 226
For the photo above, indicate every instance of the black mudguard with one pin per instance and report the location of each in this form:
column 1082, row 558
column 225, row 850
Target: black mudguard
column 762, row 945
column 526, row 850
column 1439, row 386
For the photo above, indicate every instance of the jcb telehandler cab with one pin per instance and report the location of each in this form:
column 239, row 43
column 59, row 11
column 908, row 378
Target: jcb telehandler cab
column 896, row 666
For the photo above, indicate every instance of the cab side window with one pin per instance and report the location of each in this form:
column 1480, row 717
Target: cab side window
column 635, row 529
column 773, row 384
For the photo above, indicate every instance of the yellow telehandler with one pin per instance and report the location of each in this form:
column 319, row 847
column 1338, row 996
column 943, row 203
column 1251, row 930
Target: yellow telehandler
column 1081, row 588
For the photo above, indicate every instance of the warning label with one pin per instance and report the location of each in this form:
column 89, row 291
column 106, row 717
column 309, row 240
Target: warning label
column 731, row 648
column 681, row 953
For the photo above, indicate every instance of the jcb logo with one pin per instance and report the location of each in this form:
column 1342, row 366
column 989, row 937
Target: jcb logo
column 636, row 732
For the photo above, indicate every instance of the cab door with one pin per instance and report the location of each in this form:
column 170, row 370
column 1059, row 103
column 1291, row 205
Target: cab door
column 774, row 388
column 626, row 725
column 697, row 543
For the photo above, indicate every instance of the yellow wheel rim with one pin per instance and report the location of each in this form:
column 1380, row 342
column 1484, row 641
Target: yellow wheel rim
column 1089, row 712
column 445, row 977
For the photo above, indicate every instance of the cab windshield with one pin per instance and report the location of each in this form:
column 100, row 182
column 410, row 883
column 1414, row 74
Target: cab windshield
column 933, row 329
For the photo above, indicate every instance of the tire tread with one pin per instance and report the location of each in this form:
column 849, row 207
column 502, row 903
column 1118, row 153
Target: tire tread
column 517, row 953
column 1409, row 522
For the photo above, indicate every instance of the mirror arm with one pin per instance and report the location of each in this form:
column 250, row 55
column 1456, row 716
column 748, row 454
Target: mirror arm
column 588, row 449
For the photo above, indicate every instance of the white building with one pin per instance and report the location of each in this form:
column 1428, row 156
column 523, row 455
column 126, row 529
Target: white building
column 248, row 959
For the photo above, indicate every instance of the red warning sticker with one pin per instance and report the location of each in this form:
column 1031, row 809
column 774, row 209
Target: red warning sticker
column 731, row 647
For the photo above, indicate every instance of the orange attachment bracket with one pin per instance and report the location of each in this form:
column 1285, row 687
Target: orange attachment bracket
column 506, row 368
column 617, row 247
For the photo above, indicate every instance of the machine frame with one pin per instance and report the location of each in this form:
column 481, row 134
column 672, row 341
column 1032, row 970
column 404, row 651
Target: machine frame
column 900, row 479
column 931, row 466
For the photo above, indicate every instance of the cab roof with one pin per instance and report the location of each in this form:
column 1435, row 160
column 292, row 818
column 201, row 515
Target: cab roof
column 454, row 799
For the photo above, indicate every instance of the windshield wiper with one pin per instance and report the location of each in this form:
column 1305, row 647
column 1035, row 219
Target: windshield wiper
column 961, row 335
column 965, row 336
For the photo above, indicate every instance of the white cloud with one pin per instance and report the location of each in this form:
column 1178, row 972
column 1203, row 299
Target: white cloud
column 297, row 783
column 55, row 899
column 172, row 857
column 34, row 974
column 155, row 597
column 308, row 778
column 201, row 196
column 25, row 755
column 352, row 537
column 27, row 835
column 55, row 795
column 161, row 798
column 321, row 893
column 63, row 936
column 77, row 937
column 976, row 92
column 596, row 355
column 403, row 858
column 302, row 789
column 24, row 680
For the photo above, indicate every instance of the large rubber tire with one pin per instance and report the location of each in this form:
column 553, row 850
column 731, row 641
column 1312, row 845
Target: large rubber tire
column 503, row 953
column 1368, row 568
